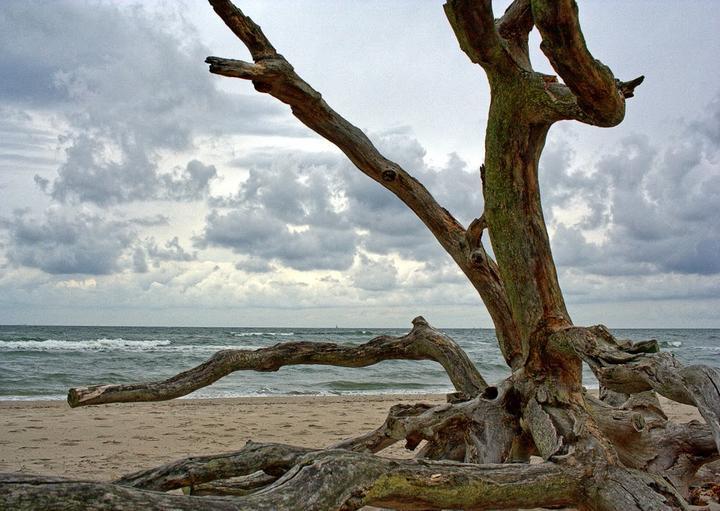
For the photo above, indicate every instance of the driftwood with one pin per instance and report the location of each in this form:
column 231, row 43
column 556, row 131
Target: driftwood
column 617, row 453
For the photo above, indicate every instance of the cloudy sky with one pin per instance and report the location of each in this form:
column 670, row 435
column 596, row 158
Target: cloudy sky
column 138, row 189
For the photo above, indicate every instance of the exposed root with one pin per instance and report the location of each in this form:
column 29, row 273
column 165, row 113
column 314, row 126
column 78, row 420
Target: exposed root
column 480, row 430
column 327, row 479
column 626, row 367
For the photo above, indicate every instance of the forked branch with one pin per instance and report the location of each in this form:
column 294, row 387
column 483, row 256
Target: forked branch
column 422, row 343
column 474, row 25
column 514, row 27
column 271, row 73
column 599, row 95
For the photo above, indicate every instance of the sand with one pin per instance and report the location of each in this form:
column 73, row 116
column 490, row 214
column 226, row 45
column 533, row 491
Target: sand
column 104, row 442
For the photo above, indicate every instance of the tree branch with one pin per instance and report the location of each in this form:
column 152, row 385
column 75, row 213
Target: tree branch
column 274, row 75
column 599, row 95
column 328, row 479
column 474, row 25
column 618, row 488
column 422, row 343
column 514, row 27
column 238, row 486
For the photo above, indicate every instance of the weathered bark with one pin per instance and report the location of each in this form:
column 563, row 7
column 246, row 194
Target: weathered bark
column 327, row 479
column 645, row 440
column 626, row 367
column 484, row 429
column 422, row 343
column 619, row 453
column 238, row 486
column 274, row 459
column 271, row 73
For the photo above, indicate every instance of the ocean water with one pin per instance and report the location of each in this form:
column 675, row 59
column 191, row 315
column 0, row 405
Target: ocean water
column 42, row 362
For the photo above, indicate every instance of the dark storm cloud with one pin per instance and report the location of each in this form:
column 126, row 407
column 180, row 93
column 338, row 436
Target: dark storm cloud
column 128, row 85
column 333, row 208
column 660, row 207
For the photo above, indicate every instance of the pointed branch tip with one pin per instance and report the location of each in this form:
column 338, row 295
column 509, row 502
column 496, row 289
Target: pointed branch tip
column 627, row 89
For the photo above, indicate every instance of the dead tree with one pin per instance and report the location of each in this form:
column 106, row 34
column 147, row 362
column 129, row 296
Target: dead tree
column 617, row 454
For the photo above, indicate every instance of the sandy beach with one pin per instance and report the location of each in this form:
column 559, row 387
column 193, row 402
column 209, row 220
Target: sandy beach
column 104, row 442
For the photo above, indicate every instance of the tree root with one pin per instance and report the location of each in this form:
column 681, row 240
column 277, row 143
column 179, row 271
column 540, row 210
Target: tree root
column 630, row 368
column 326, row 479
column 483, row 429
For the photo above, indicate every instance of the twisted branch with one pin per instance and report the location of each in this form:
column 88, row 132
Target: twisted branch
column 422, row 343
column 483, row 430
column 271, row 73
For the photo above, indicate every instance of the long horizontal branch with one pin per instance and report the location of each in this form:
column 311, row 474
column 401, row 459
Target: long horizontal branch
column 328, row 479
column 422, row 343
column 412, row 423
column 271, row 73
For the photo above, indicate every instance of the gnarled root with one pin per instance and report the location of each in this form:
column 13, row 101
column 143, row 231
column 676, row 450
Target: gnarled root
column 323, row 480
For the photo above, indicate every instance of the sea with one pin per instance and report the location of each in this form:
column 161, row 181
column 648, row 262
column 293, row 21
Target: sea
column 43, row 362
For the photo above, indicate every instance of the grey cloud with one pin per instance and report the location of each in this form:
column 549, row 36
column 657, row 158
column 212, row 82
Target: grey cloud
column 67, row 243
column 372, row 275
column 89, row 177
column 334, row 209
column 23, row 145
column 192, row 183
column 139, row 261
column 660, row 208
column 253, row 265
column 171, row 251
column 128, row 85
column 248, row 232
column 150, row 221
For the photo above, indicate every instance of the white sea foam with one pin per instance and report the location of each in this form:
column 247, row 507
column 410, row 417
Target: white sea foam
column 670, row 344
column 101, row 344
column 260, row 334
column 118, row 344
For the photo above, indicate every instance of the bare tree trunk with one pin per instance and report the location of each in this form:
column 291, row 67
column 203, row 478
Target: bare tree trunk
column 616, row 454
